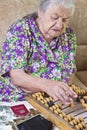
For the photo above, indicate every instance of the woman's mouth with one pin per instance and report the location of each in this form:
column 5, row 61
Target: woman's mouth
column 56, row 30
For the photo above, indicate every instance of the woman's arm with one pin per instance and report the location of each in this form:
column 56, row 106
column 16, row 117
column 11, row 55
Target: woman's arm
column 58, row 90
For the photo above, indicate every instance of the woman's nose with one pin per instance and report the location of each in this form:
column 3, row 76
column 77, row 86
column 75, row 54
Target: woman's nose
column 59, row 24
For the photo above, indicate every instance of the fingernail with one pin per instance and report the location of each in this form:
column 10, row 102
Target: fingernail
column 67, row 103
column 75, row 95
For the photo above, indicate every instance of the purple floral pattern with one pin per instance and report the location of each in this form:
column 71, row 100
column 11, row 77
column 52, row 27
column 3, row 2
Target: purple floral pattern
column 25, row 48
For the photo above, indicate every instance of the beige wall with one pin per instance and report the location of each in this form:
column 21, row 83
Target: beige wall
column 79, row 21
column 11, row 10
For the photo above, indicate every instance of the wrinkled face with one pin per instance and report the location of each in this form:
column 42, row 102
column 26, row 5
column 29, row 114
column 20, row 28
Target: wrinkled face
column 54, row 20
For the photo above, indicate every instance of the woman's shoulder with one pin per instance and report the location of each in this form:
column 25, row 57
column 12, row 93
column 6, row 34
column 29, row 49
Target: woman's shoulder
column 22, row 23
column 30, row 16
column 70, row 33
column 69, row 30
column 71, row 37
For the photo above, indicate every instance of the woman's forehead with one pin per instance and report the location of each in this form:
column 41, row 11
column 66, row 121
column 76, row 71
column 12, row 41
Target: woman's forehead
column 58, row 10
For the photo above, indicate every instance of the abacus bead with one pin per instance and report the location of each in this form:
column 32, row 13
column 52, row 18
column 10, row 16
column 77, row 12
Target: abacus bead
column 83, row 124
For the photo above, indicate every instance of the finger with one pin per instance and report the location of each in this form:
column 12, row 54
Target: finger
column 64, row 90
column 63, row 94
column 69, row 102
column 72, row 93
column 66, row 102
column 55, row 97
column 69, row 91
column 64, row 86
column 63, row 97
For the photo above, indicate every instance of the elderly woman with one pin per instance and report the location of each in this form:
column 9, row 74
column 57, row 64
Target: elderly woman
column 38, row 54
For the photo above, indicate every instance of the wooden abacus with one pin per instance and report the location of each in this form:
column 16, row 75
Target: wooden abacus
column 64, row 117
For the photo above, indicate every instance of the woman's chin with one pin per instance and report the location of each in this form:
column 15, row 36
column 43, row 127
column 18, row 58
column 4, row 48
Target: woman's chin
column 55, row 35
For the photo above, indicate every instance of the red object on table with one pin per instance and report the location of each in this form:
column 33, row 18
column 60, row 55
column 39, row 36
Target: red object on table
column 20, row 110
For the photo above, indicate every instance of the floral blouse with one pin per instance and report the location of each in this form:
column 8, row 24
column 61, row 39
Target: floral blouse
column 25, row 48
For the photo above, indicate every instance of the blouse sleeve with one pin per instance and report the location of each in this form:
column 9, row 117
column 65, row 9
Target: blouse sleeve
column 14, row 49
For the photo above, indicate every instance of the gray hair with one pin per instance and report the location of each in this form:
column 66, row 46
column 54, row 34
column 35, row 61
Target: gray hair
column 66, row 3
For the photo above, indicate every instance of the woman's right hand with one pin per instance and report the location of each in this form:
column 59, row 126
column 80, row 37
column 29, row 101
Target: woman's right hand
column 59, row 91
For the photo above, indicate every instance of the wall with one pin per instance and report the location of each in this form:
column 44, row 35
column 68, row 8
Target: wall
column 11, row 10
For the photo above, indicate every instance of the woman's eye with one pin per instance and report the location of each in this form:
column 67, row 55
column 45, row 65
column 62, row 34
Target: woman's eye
column 54, row 17
column 65, row 20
